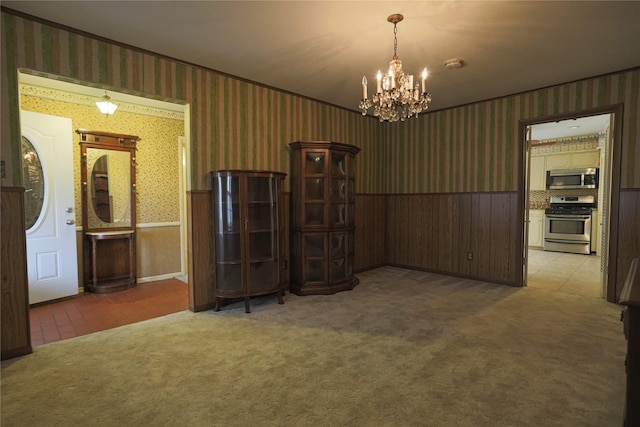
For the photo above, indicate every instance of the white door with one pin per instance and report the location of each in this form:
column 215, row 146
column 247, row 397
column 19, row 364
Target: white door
column 52, row 262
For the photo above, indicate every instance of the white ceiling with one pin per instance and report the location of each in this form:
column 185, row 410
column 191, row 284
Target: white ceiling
column 571, row 127
column 321, row 49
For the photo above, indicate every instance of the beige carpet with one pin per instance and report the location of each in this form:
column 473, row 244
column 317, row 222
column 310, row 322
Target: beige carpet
column 404, row 348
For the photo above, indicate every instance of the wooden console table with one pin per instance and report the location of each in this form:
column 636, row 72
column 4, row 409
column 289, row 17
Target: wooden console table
column 120, row 272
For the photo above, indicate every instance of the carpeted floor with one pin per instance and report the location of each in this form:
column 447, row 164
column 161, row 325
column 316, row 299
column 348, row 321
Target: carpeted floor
column 404, row 348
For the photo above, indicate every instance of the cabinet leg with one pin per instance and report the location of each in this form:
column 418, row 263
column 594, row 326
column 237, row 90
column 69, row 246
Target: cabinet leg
column 246, row 305
column 280, row 296
column 216, row 307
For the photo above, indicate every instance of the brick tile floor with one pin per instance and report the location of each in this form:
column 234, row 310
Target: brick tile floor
column 87, row 312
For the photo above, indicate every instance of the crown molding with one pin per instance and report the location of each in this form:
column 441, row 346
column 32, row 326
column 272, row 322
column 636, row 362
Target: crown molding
column 76, row 98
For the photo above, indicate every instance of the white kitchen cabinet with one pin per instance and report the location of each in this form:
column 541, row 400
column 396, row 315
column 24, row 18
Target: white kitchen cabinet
column 573, row 160
column 558, row 161
column 536, row 227
column 537, row 175
column 585, row 159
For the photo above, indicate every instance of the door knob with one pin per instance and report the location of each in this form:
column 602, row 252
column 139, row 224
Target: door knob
column 71, row 221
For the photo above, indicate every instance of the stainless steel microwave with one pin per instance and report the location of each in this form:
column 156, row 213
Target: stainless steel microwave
column 562, row 179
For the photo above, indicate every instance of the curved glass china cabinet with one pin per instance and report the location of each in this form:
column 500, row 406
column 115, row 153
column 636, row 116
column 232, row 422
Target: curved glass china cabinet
column 108, row 210
column 323, row 224
column 248, row 234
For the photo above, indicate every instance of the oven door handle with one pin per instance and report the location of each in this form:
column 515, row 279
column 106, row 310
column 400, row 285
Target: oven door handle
column 568, row 217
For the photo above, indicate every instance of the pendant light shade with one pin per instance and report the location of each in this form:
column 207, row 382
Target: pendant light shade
column 106, row 106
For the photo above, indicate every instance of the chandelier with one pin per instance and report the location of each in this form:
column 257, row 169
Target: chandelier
column 396, row 97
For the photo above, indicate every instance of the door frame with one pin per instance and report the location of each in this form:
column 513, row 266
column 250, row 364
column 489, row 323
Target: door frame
column 85, row 88
column 617, row 111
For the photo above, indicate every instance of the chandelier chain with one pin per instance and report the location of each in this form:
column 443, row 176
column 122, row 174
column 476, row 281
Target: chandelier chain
column 395, row 41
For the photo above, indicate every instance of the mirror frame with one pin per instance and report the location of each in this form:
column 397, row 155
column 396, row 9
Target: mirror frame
column 114, row 142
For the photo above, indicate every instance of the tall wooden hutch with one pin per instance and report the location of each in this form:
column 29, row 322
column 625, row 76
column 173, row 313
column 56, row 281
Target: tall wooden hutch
column 323, row 226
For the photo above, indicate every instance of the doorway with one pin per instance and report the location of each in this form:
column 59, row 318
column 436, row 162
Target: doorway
column 569, row 141
column 84, row 95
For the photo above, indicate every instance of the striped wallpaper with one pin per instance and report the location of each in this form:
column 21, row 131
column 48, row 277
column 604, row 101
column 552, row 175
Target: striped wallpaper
column 474, row 148
column 236, row 124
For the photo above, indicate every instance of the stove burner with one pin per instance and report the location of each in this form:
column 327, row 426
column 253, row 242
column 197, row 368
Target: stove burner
column 564, row 210
column 571, row 205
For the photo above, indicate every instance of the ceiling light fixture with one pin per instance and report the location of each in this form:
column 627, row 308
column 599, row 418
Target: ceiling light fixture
column 396, row 97
column 106, row 106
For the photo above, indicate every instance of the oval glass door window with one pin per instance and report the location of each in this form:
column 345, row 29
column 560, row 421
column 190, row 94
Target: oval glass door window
column 33, row 181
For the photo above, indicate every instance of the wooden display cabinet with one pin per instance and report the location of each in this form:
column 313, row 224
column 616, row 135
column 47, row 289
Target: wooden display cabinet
column 248, row 234
column 323, row 224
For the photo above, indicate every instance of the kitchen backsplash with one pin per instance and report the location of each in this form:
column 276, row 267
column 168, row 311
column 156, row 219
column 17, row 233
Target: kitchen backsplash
column 540, row 199
column 585, row 142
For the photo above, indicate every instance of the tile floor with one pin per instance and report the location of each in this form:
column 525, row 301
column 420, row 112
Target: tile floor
column 562, row 272
column 88, row 312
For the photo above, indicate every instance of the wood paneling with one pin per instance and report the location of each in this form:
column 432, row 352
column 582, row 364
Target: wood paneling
column 16, row 333
column 482, row 254
column 628, row 235
column 435, row 232
column 199, row 223
column 370, row 231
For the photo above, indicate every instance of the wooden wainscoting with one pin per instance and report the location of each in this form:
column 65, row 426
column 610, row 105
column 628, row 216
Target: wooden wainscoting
column 628, row 236
column 370, row 236
column 16, row 332
column 199, row 223
column 435, row 232
column 432, row 232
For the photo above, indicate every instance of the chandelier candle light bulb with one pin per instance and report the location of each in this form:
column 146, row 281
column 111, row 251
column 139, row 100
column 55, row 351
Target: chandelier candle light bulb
column 424, row 80
column 396, row 97
column 364, row 87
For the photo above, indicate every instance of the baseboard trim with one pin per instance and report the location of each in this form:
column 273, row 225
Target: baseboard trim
column 176, row 275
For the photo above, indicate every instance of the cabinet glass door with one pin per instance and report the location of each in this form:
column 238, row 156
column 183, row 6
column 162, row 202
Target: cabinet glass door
column 351, row 193
column 338, row 253
column 228, row 233
column 314, row 257
column 314, row 188
column 338, row 190
column 262, row 229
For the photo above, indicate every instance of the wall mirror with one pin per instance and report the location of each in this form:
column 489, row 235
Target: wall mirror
column 108, row 210
column 108, row 180
column 109, row 189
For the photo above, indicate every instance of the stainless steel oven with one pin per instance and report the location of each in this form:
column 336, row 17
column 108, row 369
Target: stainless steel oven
column 567, row 224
